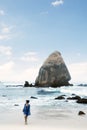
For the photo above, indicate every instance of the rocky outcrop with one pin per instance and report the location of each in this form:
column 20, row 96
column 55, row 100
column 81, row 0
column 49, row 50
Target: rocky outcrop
column 26, row 84
column 82, row 100
column 53, row 72
column 74, row 98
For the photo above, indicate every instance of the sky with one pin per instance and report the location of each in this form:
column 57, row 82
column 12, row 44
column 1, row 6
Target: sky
column 30, row 30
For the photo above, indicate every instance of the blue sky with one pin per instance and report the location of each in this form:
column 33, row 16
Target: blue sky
column 32, row 29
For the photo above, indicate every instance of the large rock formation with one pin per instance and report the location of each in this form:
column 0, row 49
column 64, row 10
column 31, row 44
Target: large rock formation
column 53, row 72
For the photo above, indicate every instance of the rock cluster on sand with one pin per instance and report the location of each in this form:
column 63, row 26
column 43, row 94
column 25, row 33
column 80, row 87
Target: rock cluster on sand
column 53, row 72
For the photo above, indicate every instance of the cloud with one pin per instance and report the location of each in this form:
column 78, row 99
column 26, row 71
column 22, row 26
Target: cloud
column 6, row 70
column 28, row 74
column 6, row 32
column 15, row 70
column 6, row 67
column 5, row 37
column 57, row 3
column 78, row 72
column 2, row 12
column 5, row 50
column 30, row 56
column 10, row 72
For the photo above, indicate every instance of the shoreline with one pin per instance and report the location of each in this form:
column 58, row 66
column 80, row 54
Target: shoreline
column 15, row 120
column 46, row 113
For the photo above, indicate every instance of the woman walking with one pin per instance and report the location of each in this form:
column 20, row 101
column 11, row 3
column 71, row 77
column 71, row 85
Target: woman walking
column 26, row 110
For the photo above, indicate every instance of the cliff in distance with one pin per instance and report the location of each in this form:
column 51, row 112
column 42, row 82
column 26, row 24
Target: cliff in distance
column 53, row 72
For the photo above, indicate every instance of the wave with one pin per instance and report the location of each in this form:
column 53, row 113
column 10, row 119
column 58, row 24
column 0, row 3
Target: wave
column 47, row 92
column 79, row 90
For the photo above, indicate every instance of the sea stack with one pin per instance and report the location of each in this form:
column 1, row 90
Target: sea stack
column 53, row 72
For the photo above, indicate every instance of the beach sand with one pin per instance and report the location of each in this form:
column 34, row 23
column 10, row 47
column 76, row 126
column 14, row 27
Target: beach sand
column 14, row 120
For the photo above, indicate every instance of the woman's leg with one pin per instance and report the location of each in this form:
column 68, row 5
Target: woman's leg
column 25, row 119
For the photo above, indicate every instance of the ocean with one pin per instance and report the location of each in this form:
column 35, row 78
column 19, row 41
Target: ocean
column 12, row 97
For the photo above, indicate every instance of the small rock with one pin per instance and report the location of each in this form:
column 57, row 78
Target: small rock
column 16, row 104
column 59, row 97
column 33, row 97
column 81, row 113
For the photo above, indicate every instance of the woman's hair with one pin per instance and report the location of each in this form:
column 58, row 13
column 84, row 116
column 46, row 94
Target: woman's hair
column 27, row 101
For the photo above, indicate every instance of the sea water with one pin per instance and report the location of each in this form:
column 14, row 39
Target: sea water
column 12, row 97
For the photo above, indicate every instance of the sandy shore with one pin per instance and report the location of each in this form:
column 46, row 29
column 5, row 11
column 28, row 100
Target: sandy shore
column 14, row 120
